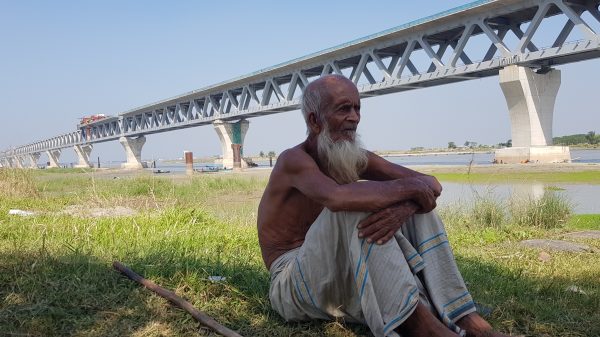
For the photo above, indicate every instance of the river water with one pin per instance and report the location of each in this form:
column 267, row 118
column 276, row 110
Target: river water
column 585, row 198
column 578, row 156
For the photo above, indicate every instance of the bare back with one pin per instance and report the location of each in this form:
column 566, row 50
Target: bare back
column 284, row 213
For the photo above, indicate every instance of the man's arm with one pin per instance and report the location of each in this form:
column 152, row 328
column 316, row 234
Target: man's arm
column 379, row 169
column 303, row 173
column 380, row 226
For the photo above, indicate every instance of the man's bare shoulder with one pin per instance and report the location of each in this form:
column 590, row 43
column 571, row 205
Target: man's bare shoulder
column 294, row 159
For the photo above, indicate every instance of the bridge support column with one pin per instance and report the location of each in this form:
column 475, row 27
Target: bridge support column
column 33, row 159
column 9, row 162
column 133, row 150
column 53, row 157
column 232, row 141
column 83, row 155
column 530, row 97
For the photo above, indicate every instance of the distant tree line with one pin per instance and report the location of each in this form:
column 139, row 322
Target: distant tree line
column 588, row 138
column 270, row 154
column 579, row 139
column 471, row 145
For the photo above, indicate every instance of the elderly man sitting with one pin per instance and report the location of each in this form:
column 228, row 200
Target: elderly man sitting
column 371, row 251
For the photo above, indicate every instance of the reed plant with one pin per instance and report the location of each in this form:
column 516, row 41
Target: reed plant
column 552, row 210
column 488, row 211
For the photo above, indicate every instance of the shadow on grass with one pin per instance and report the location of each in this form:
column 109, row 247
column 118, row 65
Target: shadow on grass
column 79, row 295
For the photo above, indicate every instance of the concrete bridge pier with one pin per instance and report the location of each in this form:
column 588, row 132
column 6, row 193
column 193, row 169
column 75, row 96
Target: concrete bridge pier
column 53, row 157
column 232, row 141
column 133, row 150
column 83, row 155
column 33, row 159
column 530, row 97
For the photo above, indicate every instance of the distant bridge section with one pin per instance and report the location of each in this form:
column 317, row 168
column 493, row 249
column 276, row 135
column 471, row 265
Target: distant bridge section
column 435, row 50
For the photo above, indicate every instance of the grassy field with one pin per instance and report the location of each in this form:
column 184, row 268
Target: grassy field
column 56, row 277
column 588, row 177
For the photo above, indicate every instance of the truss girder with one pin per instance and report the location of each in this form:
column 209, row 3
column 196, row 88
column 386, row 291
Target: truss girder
column 380, row 64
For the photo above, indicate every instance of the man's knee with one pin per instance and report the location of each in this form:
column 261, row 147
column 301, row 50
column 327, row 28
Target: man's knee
column 344, row 217
column 430, row 217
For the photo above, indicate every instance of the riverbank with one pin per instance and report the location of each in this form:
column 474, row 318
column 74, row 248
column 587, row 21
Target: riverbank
column 56, row 277
column 492, row 173
column 505, row 173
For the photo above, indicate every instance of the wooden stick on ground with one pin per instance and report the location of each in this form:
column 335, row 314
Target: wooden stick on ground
column 178, row 301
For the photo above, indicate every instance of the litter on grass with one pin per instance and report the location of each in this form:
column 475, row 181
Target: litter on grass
column 20, row 212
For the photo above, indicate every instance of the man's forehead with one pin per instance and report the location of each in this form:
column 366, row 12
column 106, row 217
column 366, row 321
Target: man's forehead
column 335, row 86
column 336, row 82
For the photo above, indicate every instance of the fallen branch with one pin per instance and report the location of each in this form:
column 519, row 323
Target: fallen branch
column 178, row 301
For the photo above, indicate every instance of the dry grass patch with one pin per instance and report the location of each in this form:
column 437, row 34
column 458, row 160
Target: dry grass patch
column 17, row 183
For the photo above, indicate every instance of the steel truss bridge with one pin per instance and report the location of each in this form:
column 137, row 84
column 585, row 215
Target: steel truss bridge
column 379, row 64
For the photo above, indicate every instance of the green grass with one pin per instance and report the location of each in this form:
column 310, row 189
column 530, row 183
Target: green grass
column 56, row 277
column 585, row 221
column 589, row 177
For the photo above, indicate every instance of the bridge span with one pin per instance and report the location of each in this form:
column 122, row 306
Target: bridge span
column 378, row 64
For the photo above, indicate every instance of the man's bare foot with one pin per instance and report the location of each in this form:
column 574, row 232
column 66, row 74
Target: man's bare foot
column 422, row 323
column 476, row 326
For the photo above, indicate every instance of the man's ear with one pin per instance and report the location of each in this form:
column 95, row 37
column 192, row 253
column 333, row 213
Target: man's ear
column 313, row 123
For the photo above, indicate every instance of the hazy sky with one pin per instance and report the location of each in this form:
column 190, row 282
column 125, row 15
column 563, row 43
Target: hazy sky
column 61, row 60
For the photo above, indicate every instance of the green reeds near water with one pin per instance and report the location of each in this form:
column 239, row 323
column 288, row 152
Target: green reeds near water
column 549, row 211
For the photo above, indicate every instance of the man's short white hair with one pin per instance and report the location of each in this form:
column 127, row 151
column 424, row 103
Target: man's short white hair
column 312, row 97
column 311, row 102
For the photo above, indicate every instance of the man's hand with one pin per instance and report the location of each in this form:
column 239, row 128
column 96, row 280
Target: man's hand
column 423, row 195
column 433, row 184
column 380, row 226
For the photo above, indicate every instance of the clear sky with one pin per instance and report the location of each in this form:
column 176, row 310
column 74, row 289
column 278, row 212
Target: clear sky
column 61, row 60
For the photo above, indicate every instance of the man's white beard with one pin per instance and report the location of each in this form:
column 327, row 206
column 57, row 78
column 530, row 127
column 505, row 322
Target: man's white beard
column 344, row 160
